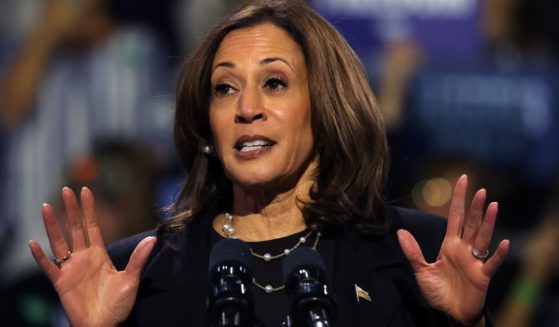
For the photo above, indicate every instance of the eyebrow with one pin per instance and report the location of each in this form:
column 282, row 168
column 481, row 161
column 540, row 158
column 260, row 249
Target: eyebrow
column 273, row 59
column 264, row 61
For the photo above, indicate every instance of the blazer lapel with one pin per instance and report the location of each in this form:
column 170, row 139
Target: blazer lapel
column 375, row 269
column 363, row 270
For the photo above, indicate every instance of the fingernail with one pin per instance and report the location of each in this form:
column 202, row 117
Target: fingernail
column 31, row 244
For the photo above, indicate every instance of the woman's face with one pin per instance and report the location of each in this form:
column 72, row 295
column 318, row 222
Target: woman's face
column 260, row 107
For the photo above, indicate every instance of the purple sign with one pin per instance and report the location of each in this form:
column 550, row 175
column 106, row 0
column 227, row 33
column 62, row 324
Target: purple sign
column 444, row 28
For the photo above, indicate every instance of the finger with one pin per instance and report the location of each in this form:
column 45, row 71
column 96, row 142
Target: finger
column 473, row 221
column 56, row 237
column 456, row 212
column 140, row 256
column 495, row 261
column 411, row 249
column 50, row 269
column 75, row 219
column 485, row 232
column 91, row 222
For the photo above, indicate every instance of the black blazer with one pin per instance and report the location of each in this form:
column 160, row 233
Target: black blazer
column 174, row 285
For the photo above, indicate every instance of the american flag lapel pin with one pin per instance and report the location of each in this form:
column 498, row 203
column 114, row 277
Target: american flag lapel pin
column 361, row 294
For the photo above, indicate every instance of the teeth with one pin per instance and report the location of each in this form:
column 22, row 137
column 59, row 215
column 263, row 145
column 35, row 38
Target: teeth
column 256, row 143
column 253, row 145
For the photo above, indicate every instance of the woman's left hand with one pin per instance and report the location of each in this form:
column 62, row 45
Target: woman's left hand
column 456, row 283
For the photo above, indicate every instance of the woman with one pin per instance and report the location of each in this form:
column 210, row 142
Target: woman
column 279, row 132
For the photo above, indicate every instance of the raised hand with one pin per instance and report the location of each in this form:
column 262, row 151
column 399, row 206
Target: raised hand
column 91, row 290
column 457, row 282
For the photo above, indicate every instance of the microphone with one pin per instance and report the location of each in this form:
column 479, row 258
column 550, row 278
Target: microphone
column 312, row 303
column 230, row 302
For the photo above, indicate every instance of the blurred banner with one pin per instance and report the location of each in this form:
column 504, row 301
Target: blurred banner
column 369, row 24
column 502, row 118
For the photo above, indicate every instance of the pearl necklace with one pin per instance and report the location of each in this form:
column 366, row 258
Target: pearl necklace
column 229, row 231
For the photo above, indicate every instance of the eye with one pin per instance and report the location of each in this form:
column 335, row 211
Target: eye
column 223, row 89
column 275, row 83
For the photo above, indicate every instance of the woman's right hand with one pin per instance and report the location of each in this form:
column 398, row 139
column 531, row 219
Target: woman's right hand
column 90, row 288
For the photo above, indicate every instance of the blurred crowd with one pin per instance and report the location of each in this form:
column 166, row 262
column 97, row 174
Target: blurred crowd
column 466, row 86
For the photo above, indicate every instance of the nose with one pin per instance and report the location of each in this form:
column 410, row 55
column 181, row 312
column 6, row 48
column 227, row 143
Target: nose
column 250, row 106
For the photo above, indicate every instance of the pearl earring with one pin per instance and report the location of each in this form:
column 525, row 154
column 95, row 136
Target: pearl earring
column 207, row 149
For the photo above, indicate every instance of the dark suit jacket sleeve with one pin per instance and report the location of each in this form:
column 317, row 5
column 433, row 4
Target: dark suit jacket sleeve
column 428, row 230
column 120, row 251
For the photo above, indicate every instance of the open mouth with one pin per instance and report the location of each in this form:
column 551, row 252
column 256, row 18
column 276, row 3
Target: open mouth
column 245, row 145
column 253, row 145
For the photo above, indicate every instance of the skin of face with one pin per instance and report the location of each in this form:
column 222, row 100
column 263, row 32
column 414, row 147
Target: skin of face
column 260, row 111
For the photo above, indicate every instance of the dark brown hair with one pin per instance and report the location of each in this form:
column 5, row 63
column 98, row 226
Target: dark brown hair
column 346, row 125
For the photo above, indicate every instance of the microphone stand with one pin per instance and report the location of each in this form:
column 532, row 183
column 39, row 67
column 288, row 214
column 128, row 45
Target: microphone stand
column 317, row 317
column 230, row 317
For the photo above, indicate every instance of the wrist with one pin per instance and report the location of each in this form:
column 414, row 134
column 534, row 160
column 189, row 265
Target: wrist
column 479, row 321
